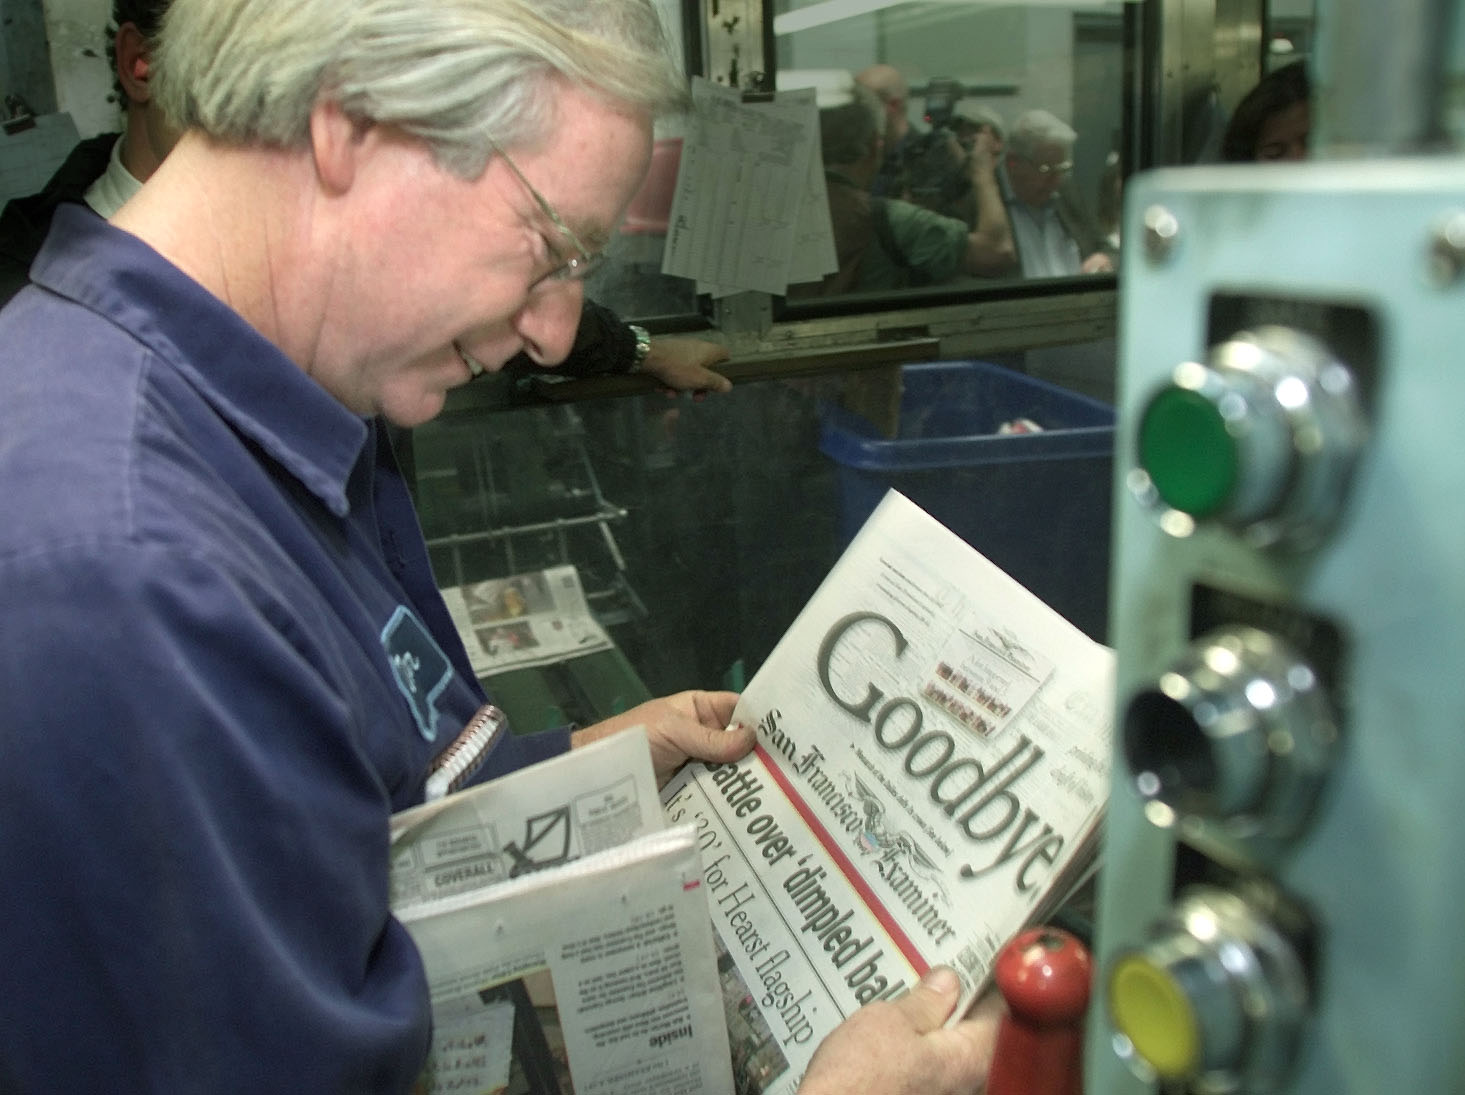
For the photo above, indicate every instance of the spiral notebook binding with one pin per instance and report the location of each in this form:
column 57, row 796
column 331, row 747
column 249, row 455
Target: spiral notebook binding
column 456, row 764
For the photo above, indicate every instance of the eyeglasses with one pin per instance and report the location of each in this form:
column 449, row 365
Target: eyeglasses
column 576, row 268
column 1061, row 168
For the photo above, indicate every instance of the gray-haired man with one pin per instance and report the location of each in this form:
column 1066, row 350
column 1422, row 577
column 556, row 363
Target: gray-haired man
column 223, row 658
column 1053, row 233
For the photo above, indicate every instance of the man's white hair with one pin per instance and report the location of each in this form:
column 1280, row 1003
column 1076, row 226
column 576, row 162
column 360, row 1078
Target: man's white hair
column 455, row 73
column 1035, row 128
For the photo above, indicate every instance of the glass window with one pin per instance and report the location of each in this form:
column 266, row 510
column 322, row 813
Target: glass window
column 630, row 282
column 698, row 529
column 963, row 143
column 1289, row 34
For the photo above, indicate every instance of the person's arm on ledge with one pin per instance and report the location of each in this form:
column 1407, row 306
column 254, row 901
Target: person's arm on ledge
column 607, row 345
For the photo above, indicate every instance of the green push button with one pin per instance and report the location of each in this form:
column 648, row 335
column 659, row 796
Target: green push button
column 1190, row 456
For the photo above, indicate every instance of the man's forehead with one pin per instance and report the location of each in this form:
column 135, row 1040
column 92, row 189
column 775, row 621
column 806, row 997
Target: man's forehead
column 1049, row 152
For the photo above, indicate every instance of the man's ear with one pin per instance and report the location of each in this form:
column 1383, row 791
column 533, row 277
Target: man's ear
column 335, row 142
column 134, row 65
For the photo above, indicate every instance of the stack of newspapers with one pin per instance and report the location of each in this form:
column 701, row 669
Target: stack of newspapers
column 930, row 775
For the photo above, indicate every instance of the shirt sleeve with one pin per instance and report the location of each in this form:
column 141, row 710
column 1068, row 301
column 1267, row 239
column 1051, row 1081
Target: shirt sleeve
column 195, row 847
column 516, row 751
column 603, row 344
column 929, row 242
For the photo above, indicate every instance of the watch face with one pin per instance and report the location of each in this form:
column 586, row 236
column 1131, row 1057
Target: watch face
column 643, row 345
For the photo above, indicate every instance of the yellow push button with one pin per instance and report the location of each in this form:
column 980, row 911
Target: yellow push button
column 1152, row 1010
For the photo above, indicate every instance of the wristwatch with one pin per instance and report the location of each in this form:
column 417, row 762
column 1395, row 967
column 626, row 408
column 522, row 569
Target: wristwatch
column 643, row 347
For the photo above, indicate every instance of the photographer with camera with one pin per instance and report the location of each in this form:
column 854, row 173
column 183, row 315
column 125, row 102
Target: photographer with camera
column 950, row 168
column 883, row 242
column 953, row 168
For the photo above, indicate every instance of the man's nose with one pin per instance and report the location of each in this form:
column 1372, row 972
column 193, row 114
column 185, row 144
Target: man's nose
column 549, row 319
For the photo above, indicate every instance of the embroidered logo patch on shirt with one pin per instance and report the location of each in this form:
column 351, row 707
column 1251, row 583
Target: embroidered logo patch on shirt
column 422, row 670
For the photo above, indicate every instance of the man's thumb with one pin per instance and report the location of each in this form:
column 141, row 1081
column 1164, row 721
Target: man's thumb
column 724, row 746
column 931, row 1002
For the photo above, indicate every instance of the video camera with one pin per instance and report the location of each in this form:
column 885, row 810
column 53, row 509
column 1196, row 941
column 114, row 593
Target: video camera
column 935, row 166
column 942, row 95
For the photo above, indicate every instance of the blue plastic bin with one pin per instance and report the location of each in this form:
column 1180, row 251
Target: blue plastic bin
column 1037, row 504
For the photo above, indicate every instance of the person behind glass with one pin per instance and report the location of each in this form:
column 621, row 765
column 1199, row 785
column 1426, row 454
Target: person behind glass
column 955, row 171
column 885, row 243
column 901, row 135
column 106, row 170
column 1109, row 211
column 1054, row 233
column 224, row 661
column 1273, row 121
column 972, row 120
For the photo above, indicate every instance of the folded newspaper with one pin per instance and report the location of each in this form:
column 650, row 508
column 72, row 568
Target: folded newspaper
column 930, row 774
column 565, row 931
column 525, row 620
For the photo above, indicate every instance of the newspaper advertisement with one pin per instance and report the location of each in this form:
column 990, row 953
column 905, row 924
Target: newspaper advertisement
column 564, row 928
column 525, row 620
column 931, row 769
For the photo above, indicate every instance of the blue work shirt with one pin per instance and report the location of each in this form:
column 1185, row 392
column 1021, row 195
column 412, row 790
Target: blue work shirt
column 223, row 664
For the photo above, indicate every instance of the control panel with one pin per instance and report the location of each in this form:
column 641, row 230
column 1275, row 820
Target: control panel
column 1284, row 858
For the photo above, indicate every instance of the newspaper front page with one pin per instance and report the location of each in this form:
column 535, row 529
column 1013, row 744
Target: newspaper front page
column 931, row 769
column 556, row 900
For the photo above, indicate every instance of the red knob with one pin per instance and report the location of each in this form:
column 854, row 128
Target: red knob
column 1044, row 974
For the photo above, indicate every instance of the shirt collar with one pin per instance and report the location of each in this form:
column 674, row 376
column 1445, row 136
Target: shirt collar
column 115, row 186
column 247, row 380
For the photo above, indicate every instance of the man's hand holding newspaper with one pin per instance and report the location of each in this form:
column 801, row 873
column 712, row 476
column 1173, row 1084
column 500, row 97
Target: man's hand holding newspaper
column 904, row 1047
column 680, row 727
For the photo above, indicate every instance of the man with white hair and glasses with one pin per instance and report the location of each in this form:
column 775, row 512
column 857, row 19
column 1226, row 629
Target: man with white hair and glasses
column 104, row 171
column 223, row 658
column 1054, row 235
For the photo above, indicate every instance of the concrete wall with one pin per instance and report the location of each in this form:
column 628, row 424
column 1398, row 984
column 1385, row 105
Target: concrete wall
column 25, row 64
column 76, row 33
column 1031, row 48
column 54, row 56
